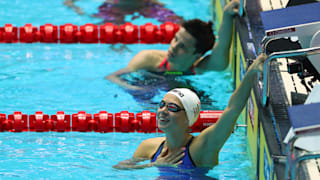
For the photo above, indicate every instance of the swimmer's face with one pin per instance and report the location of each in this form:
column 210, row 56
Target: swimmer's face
column 182, row 48
column 169, row 120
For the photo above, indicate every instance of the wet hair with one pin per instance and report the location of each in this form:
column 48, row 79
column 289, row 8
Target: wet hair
column 202, row 32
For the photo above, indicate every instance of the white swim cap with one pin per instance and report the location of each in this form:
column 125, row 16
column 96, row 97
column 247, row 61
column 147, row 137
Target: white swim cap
column 190, row 102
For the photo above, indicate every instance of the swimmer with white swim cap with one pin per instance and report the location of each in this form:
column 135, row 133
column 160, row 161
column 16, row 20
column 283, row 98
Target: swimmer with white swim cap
column 190, row 102
column 178, row 110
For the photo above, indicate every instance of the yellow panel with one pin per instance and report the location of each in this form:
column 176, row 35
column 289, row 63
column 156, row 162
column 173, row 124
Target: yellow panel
column 252, row 127
column 251, row 111
column 237, row 63
column 240, row 63
column 240, row 68
column 264, row 157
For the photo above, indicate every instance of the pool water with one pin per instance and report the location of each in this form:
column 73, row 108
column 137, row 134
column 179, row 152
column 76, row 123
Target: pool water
column 91, row 156
column 69, row 78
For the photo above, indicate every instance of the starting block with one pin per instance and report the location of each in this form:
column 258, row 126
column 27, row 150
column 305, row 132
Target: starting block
column 302, row 21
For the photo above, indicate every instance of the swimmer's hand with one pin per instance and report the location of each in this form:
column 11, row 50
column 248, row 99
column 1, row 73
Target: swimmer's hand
column 115, row 78
column 169, row 160
column 232, row 8
column 257, row 65
column 132, row 163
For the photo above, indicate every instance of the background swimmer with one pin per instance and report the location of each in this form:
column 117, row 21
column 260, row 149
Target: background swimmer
column 114, row 11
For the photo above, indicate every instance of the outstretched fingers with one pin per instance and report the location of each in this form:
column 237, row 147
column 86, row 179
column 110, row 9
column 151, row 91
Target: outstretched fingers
column 259, row 62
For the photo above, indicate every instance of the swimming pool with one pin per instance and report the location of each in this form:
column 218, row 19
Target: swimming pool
column 91, row 155
column 69, row 77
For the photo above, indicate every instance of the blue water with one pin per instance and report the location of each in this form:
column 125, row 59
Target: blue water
column 91, row 156
column 55, row 77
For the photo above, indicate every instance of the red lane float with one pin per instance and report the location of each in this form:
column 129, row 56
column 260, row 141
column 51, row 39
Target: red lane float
column 61, row 122
column 102, row 122
column 206, row 119
column 125, row 122
column 29, row 34
column 17, row 122
column 149, row 34
column 69, row 33
column 89, row 33
column 148, row 122
column 2, row 119
column 168, row 31
column 80, row 122
column 9, row 34
column 108, row 33
column 129, row 33
column 48, row 33
column 40, row 122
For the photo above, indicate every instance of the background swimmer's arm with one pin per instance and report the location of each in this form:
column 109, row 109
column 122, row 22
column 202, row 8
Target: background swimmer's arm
column 140, row 62
column 132, row 164
column 215, row 136
column 115, row 78
column 144, row 152
column 70, row 4
column 218, row 60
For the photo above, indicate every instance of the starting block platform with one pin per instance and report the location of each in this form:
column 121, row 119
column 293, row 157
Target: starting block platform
column 305, row 119
column 292, row 21
column 304, row 134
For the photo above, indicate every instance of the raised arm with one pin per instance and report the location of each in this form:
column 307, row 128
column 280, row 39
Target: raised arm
column 215, row 136
column 218, row 60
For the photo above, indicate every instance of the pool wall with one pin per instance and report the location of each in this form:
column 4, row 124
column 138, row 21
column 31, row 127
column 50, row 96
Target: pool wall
column 261, row 132
column 247, row 44
column 267, row 126
column 243, row 50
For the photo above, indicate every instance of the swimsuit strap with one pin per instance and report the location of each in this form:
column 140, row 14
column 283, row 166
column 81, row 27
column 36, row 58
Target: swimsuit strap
column 157, row 153
column 164, row 65
column 189, row 155
column 193, row 71
column 189, row 142
column 154, row 157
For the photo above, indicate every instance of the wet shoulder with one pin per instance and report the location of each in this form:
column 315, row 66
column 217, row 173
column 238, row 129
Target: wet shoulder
column 145, row 59
column 150, row 146
column 156, row 56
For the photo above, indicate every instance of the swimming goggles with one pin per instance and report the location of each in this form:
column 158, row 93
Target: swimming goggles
column 171, row 106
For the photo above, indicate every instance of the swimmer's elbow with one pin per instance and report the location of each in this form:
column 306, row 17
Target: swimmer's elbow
column 120, row 167
column 108, row 77
column 132, row 164
column 112, row 77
